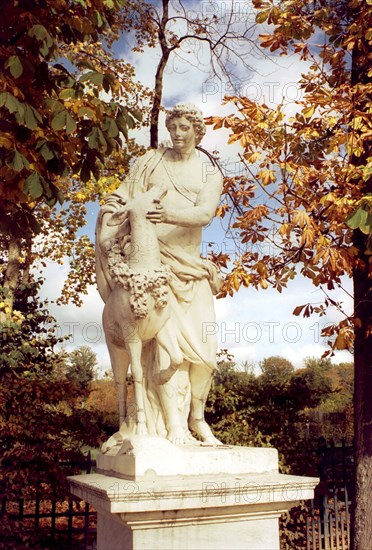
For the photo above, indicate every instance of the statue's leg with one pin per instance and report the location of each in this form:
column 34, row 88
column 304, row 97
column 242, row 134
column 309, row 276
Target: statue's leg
column 135, row 350
column 166, row 337
column 168, row 394
column 119, row 364
column 200, row 379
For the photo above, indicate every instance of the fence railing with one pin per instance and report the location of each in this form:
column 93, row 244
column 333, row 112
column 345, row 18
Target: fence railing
column 328, row 521
column 328, row 528
column 69, row 523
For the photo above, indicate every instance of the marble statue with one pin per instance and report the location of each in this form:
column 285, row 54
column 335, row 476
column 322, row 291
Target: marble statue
column 158, row 291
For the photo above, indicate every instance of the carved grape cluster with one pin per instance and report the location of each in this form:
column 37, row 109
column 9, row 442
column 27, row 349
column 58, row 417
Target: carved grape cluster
column 139, row 285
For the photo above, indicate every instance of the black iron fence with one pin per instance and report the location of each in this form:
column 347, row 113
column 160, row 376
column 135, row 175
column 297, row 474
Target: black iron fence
column 328, row 527
column 322, row 525
column 328, row 520
column 67, row 523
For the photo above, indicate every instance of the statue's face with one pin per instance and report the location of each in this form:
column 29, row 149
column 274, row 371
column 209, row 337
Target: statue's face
column 182, row 134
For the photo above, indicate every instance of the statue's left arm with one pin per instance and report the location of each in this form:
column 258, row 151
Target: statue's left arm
column 200, row 213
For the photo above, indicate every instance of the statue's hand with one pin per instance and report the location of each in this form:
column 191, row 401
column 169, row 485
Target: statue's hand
column 166, row 144
column 156, row 214
column 118, row 218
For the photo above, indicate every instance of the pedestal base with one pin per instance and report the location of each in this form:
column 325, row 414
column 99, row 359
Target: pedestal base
column 221, row 510
column 147, row 457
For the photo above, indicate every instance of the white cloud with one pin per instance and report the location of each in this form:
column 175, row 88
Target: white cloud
column 297, row 356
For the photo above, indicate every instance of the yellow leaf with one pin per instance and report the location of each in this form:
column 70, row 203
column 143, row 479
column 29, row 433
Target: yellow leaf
column 5, row 142
column 267, row 176
column 263, row 284
column 285, row 229
column 301, row 218
column 308, row 113
column 252, row 157
column 307, row 238
column 233, row 138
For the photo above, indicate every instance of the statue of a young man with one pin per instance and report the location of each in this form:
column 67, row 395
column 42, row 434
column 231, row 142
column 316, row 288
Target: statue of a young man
column 193, row 188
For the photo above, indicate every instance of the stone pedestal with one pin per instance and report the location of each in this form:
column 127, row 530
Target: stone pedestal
column 236, row 504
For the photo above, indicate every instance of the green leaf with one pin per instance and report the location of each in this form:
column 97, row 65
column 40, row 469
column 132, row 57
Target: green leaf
column 59, row 121
column 98, row 19
column 137, row 114
column 121, row 124
column 46, row 151
column 86, row 112
column 70, row 123
column 93, row 140
column 60, row 196
column 93, row 76
column 41, row 34
column 33, row 185
column 53, row 194
column 80, row 3
column 96, row 139
column 19, row 161
column 360, row 219
column 54, row 105
column 110, row 127
column 30, row 118
column 63, row 119
column 13, row 63
column 11, row 103
column 67, row 93
column 356, row 218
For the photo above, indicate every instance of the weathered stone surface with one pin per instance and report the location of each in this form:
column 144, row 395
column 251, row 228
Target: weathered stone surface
column 141, row 457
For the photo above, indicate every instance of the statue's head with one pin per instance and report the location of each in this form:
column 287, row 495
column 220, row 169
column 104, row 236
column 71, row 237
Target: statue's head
column 192, row 114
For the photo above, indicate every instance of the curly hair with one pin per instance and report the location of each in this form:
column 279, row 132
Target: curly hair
column 192, row 114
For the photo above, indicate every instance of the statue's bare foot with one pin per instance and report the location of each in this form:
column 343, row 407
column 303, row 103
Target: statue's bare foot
column 116, row 439
column 141, row 429
column 202, row 429
column 190, row 439
column 177, row 435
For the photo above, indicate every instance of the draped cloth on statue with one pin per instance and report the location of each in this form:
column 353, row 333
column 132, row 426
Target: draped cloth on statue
column 193, row 281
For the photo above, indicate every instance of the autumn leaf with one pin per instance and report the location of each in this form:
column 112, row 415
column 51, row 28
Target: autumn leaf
column 14, row 65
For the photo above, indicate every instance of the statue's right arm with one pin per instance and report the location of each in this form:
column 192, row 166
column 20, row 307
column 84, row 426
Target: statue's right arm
column 110, row 222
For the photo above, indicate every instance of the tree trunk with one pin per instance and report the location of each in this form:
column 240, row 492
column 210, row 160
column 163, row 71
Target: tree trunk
column 362, row 501
column 362, row 524
column 158, row 92
column 12, row 271
column 155, row 110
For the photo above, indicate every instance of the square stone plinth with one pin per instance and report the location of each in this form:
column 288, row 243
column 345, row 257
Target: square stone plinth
column 205, row 511
column 145, row 457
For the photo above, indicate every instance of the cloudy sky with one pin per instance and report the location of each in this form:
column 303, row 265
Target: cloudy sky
column 252, row 324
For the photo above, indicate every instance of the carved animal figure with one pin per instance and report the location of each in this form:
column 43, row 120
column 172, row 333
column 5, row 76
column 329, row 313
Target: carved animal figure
column 137, row 309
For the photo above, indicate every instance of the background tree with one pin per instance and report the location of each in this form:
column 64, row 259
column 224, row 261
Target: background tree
column 314, row 379
column 37, row 430
column 81, row 365
column 65, row 107
column 217, row 44
column 315, row 171
column 332, row 417
column 271, row 409
column 276, row 371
